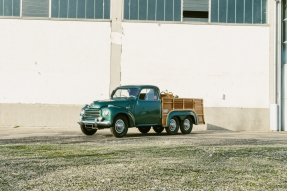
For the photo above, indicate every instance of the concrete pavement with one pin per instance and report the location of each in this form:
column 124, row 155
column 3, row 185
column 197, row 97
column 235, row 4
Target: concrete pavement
column 24, row 132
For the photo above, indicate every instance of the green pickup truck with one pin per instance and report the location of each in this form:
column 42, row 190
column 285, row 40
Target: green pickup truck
column 144, row 107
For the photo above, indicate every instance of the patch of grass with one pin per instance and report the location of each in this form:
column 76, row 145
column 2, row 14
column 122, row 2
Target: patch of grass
column 16, row 126
column 146, row 165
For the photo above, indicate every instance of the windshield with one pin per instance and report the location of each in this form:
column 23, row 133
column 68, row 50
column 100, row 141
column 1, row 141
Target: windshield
column 126, row 93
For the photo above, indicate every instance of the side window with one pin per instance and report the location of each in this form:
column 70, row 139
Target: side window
column 148, row 94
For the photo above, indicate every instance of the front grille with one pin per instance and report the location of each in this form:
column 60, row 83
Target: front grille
column 92, row 113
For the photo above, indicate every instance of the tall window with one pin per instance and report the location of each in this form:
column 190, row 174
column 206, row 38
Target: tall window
column 153, row 10
column 81, row 9
column 238, row 11
column 10, row 8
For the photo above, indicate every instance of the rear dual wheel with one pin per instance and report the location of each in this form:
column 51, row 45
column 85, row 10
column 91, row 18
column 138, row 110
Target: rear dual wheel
column 173, row 127
column 186, row 125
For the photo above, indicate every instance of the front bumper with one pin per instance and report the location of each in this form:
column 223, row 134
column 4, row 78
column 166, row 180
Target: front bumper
column 95, row 124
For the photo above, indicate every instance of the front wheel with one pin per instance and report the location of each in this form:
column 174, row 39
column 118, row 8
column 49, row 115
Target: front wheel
column 88, row 131
column 173, row 127
column 120, row 126
column 144, row 130
column 158, row 129
column 186, row 125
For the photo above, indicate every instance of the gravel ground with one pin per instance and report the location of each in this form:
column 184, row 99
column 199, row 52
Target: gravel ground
column 141, row 162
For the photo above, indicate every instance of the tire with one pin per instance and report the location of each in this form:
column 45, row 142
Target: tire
column 144, row 130
column 186, row 125
column 120, row 126
column 87, row 131
column 158, row 129
column 173, row 127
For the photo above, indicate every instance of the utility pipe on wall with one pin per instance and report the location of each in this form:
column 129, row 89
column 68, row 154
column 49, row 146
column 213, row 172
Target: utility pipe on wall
column 275, row 53
column 274, row 109
column 278, row 46
column 280, row 62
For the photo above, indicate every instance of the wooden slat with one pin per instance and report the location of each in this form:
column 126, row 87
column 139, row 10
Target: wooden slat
column 169, row 104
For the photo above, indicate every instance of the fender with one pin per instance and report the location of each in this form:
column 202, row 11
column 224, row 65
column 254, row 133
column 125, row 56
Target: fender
column 182, row 113
column 115, row 110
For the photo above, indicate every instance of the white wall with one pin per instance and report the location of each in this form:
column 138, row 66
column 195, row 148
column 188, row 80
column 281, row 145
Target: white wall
column 54, row 62
column 202, row 61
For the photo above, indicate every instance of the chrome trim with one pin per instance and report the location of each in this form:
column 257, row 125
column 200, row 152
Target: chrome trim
column 97, row 124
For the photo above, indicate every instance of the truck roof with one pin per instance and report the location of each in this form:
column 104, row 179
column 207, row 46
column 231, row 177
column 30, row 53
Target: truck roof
column 138, row 86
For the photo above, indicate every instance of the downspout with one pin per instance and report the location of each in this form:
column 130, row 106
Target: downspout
column 274, row 109
column 275, row 52
column 277, row 58
column 279, row 62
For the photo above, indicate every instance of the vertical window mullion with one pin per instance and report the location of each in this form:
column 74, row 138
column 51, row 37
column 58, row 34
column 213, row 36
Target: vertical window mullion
column 77, row 4
column 50, row 9
column 261, row 11
column 146, row 10
column 12, row 8
column 103, row 9
column 252, row 12
column 218, row 10
column 129, row 9
column 85, row 9
column 59, row 8
column 21, row 6
column 172, row 10
column 164, row 10
column 94, row 9
column 209, row 11
column 235, row 9
column 138, row 9
column 68, row 7
column 244, row 11
column 155, row 9
column 227, row 11
column 181, row 8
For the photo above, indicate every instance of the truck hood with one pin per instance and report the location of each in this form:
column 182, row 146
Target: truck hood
column 105, row 103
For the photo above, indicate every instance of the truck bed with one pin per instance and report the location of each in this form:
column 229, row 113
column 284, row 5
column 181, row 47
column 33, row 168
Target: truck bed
column 170, row 104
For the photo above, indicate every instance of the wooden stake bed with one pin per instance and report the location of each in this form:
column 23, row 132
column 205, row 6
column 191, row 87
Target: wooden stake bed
column 179, row 104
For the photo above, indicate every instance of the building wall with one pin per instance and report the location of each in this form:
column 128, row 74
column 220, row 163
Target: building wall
column 49, row 69
column 226, row 65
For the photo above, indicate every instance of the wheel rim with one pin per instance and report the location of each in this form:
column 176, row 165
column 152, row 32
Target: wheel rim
column 120, row 126
column 186, row 124
column 172, row 125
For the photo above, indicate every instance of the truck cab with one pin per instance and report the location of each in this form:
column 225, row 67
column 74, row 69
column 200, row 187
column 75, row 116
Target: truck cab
column 138, row 106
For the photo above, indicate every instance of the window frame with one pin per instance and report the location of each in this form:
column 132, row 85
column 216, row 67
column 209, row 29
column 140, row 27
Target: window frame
column 147, row 11
column 263, row 20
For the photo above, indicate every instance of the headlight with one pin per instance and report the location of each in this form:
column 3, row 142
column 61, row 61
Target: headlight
column 82, row 112
column 106, row 112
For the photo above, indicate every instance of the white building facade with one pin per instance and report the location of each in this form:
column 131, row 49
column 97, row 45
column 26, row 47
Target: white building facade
column 57, row 55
